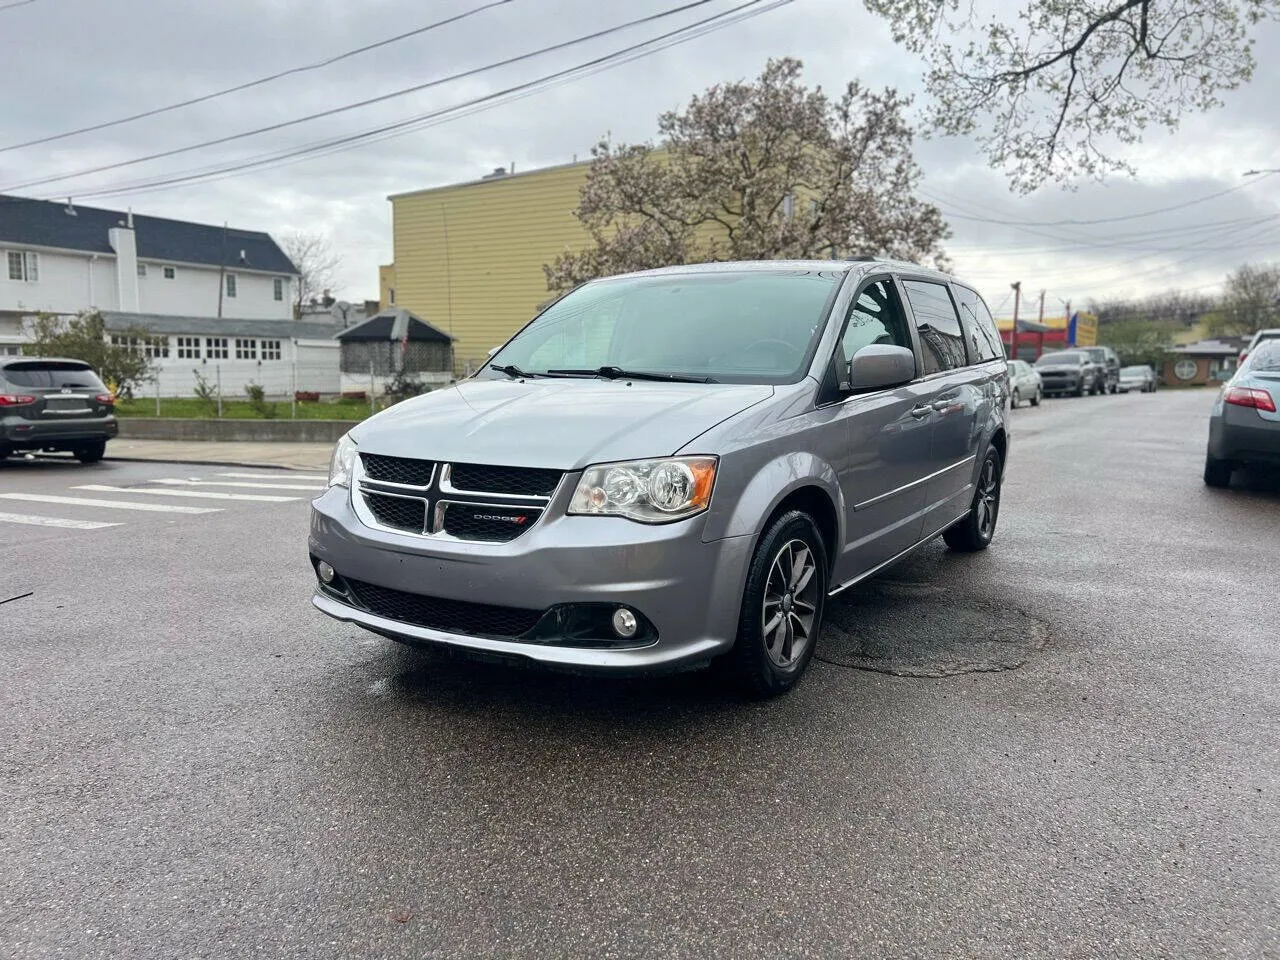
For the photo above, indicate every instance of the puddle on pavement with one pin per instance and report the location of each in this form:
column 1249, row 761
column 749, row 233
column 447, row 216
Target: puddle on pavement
column 911, row 630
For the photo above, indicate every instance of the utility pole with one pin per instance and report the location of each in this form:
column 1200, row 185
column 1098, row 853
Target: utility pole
column 1041, row 318
column 1013, row 337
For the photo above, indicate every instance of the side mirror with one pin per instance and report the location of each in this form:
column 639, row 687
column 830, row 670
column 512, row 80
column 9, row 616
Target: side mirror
column 877, row 366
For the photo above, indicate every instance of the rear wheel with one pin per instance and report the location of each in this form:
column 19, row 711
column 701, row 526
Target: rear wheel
column 91, row 452
column 1217, row 473
column 978, row 527
column 1017, row 398
column 782, row 607
column 5, row 450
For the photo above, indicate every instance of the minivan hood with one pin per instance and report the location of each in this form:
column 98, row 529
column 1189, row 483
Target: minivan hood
column 557, row 424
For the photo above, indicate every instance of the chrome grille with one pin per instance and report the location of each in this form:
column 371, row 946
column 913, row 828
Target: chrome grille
column 463, row 501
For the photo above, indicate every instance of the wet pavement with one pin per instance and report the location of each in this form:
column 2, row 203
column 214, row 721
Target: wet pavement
column 1068, row 746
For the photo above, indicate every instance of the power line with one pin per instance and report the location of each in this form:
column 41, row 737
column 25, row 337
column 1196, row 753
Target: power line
column 416, row 88
column 636, row 51
column 18, row 3
column 317, row 65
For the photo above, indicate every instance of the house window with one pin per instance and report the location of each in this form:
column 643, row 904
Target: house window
column 132, row 344
column 231, row 285
column 215, row 348
column 789, row 206
column 169, row 273
column 246, row 349
column 189, row 348
column 391, row 294
column 156, row 348
column 23, row 266
column 277, row 288
column 142, row 269
column 270, row 349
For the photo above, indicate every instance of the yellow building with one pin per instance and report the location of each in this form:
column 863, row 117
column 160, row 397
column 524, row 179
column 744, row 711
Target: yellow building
column 468, row 257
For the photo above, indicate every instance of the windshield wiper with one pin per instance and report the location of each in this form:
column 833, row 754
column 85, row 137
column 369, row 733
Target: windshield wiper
column 511, row 370
column 617, row 373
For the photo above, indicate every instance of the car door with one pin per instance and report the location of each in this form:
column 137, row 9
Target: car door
column 886, row 447
column 966, row 380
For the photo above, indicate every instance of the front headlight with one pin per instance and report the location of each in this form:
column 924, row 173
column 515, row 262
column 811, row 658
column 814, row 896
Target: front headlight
column 344, row 458
column 650, row 491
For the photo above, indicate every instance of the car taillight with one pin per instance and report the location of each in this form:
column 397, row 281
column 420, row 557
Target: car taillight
column 105, row 398
column 15, row 400
column 1250, row 397
column 1243, row 354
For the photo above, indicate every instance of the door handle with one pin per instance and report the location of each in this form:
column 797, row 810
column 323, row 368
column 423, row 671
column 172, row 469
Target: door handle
column 944, row 402
column 921, row 411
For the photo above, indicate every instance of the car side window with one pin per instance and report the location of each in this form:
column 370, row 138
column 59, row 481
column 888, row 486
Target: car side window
column 938, row 325
column 980, row 329
column 875, row 317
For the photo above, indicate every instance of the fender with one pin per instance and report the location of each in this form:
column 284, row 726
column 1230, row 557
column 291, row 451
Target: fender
column 754, row 502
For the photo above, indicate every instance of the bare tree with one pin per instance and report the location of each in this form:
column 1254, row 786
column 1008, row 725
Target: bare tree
column 1053, row 91
column 317, row 264
column 762, row 170
column 1251, row 300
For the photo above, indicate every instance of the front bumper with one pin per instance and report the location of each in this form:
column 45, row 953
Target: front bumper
column 22, row 433
column 690, row 591
column 1062, row 385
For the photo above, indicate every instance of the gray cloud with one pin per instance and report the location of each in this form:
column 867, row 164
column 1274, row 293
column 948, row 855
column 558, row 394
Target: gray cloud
column 83, row 61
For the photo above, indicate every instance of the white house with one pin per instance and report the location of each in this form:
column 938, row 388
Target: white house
column 61, row 258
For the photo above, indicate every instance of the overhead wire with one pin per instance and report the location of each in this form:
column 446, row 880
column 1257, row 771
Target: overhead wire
column 445, row 114
column 248, row 85
column 369, row 101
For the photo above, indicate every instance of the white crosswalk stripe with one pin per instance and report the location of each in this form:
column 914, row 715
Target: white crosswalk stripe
column 179, row 482
column 196, row 494
column 276, row 476
column 38, row 521
column 110, row 504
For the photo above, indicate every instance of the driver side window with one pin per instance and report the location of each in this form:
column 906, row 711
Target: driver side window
column 875, row 317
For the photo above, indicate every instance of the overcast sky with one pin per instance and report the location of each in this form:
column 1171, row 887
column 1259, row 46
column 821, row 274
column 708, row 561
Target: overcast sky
column 74, row 63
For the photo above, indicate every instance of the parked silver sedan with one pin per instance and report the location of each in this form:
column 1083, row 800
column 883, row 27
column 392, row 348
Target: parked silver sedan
column 1024, row 383
column 1141, row 379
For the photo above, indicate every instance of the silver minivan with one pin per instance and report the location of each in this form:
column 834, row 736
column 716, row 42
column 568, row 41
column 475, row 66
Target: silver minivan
column 671, row 467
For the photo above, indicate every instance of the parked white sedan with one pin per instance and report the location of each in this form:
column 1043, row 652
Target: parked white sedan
column 1024, row 383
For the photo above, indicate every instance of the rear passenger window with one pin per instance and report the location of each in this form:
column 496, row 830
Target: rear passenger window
column 980, row 330
column 941, row 338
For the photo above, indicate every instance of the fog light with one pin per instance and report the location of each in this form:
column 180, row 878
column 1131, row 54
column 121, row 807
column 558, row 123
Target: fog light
column 325, row 571
column 624, row 623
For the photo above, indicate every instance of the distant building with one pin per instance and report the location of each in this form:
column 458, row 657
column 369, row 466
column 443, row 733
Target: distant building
column 393, row 342
column 469, row 256
column 62, row 258
column 1203, row 362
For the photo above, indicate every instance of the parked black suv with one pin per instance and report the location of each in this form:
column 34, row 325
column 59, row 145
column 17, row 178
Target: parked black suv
column 54, row 404
column 1109, row 362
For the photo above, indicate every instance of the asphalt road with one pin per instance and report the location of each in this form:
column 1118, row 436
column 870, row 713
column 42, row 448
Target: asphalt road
column 1072, row 749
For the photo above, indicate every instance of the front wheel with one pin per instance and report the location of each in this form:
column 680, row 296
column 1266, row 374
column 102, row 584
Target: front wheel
column 976, row 530
column 782, row 607
column 1035, row 401
column 91, row 452
column 1016, row 400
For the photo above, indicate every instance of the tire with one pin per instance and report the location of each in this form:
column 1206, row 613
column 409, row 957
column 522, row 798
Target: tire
column 91, row 452
column 1079, row 391
column 767, row 664
column 1035, row 401
column 978, row 527
column 1016, row 399
column 1217, row 473
column 5, row 450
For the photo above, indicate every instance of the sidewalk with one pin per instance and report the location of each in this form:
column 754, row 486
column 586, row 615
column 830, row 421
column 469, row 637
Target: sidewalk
column 287, row 456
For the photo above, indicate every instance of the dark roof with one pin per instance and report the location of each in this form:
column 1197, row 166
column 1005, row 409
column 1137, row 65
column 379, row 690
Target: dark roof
column 47, row 223
column 219, row 327
column 391, row 325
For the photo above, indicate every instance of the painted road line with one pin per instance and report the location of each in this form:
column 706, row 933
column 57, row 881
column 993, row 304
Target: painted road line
column 109, row 504
column 276, row 476
column 54, row 521
column 198, row 494
column 177, row 482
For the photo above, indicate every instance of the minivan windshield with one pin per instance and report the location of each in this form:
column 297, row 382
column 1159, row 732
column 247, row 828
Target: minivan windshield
column 756, row 326
column 51, row 374
column 1065, row 357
